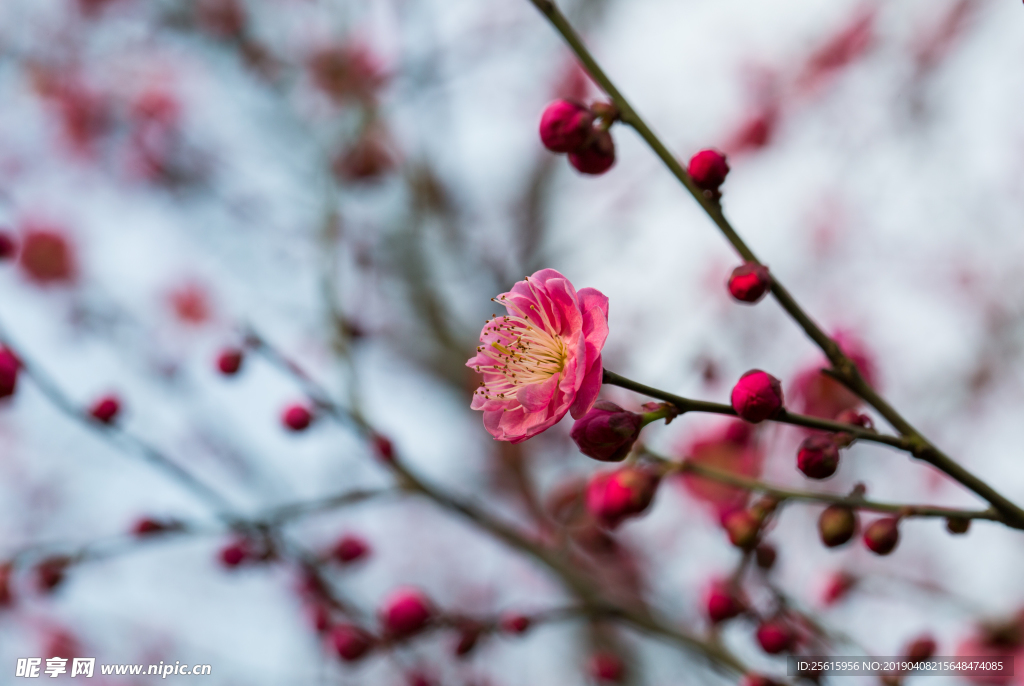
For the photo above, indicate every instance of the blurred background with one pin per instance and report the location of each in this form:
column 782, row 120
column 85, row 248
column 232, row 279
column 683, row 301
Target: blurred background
column 353, row 180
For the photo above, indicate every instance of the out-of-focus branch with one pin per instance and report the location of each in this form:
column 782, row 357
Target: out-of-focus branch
column 843, row 368
column 117, row 435
column 570, row 574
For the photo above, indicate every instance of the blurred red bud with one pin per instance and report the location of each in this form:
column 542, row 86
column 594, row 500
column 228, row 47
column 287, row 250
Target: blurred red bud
column 106, row 409
column 615, row 496
column 775, row 636
column 818, row 456
column 405, row 612
column 837, row 525
column 882, row 535
column 296, row 417
column 743, row 528
column 350, row 548
column 350, row 642
column 229, row 361
column 606, row 667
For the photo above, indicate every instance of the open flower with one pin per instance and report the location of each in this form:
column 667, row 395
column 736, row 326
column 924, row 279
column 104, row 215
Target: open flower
column 542, row 359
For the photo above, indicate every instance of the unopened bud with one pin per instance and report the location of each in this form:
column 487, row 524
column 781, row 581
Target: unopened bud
column 921, row 648
column 9, row 366
column 515, row 623
column 405, row 612
column 775, row 637
column 469, row 636
column 757, row 396
column 607, row 668
column 818, row 457
column 882, row 535
column 350, row 642
column 229, row 361
column 565, row 126
column 106, row 409
column 296, row 417
column 349, row 549
column 596, row 156
column 607, row 432
column 615, row 496
column 749, row 282
column 957, row 525
column 837, row 525
column 708, row 169
column 743, row 528
column 722, row 603
column 765, row 556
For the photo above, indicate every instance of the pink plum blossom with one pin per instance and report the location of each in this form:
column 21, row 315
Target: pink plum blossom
column 542, row 359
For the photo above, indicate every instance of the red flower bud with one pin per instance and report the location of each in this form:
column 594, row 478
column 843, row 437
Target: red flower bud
column 882, row 535
column 614, row 496
column 749, row 282
column 384, row 448
column 775, row 637
column 596, row 156
column 722, row 603
column 349, row 549
column 957, row 525
column 236, row 552
column 297, row 417
column 46, row 257
column 765, row 555
column 50, row 572
column 818, row 457
column 565, row 126
column 105, row 409
column 743, row 528
column 229, row 361
column 607, row 432
column 469, row 636
column 839, row 584
column 405, row 612
column 921, row 648
column 606, row 668
column 6, row 597
column 837, row 525
column 708, row 169
column 515, row 624
column 320, row 615
column 757, row 396
column 8, row 246
column 148, row 527
column 9, row 366
column 350, row 642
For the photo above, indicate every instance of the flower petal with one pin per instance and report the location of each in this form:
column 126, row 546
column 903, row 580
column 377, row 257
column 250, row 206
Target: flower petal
column 536, row 397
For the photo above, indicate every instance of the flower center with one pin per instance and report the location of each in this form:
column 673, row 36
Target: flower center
column 525, row 354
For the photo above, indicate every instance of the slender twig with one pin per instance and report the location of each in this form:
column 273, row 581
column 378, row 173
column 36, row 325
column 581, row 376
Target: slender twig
column 689, row 405
column 115, row 434
column 851, row 501
column 843, row 368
